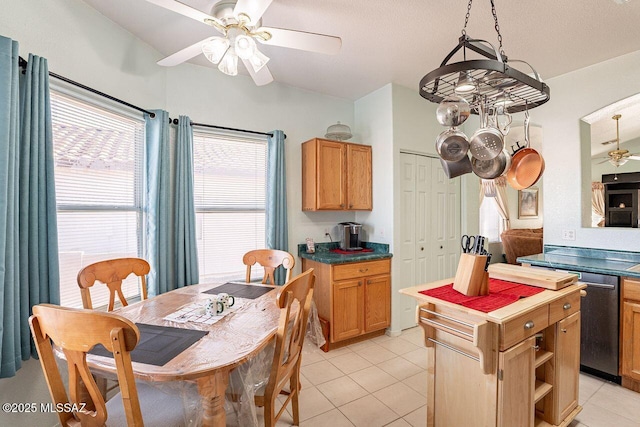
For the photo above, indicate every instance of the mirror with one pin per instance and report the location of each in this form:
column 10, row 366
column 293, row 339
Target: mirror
column 599, row 130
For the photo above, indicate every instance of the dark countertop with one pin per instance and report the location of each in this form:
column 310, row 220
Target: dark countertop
column 601, row 261
column 324, row 255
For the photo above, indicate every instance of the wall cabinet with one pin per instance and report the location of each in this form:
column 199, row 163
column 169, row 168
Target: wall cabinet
column 515, row 367
column 336, row 176
column 631, row 333
column 355, row 298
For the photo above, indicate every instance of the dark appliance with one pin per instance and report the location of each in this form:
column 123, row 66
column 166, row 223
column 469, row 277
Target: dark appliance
column 350, row 236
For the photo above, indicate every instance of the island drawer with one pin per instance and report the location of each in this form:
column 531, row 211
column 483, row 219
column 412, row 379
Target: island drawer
column 361, row 269
column 564, row 307
column 517, row 329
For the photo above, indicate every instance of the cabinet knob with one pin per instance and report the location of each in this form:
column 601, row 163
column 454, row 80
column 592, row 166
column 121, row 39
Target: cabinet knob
column 440, row 247
column 566, row 306
column 350, row 206
column 422, row 248
column 360, row 283
column 342, row 205
column 563, row 330
column 529, row 325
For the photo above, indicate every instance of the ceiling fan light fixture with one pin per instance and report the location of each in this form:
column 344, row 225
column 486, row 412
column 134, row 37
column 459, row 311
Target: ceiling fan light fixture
column 245, row 46
column 215, row 49
column 229, row 64
column 258, row 60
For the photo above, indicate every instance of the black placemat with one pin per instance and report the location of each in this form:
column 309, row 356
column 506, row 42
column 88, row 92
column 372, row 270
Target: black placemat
column 158, row 344
column 240, row 290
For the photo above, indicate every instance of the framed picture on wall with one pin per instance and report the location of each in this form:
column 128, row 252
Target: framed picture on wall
column 528, row 203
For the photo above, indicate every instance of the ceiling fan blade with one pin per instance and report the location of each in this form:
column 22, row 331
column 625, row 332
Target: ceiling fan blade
column 183, row 9
column 183, row 55
column 611, row 141
column 261, row 77
column 252, row 8
column 635, row 157
column 604, row 161
column 293, row 39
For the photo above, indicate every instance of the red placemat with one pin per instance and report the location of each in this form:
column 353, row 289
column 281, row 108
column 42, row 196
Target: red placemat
column 340, row 251
column 501, row 293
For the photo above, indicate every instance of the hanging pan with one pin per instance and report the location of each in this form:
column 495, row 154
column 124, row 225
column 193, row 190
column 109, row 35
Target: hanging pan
column 487, row 142
column 527, row 165
column 491, row 169
column 452, row 145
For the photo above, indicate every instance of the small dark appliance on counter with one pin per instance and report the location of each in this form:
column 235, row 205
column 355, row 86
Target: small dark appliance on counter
column 350, row 236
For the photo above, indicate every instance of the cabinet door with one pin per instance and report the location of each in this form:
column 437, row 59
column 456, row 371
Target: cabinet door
column 377, row 303
column 516, row 385
column 631, row 340
column 330, row 175
column 348, row 298
column 359, row 185
column 567, row 366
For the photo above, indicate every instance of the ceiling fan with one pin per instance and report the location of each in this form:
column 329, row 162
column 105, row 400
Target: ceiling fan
column 239, row 22
column 618, row 157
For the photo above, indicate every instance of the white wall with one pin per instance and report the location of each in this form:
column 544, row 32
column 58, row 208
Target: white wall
column 566, row 188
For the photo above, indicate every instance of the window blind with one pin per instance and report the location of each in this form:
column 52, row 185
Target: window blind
column 230, row 194
column 98, row 157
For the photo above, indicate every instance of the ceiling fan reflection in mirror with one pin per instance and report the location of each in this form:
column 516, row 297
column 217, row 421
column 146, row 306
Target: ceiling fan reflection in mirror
column 618, row 157
column 240, row 23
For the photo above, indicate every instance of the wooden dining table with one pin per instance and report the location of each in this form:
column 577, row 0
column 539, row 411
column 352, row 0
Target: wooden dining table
column 231, row 341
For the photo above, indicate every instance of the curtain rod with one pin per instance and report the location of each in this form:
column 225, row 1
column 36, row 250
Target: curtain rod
column 23, row 63
column 175, row 122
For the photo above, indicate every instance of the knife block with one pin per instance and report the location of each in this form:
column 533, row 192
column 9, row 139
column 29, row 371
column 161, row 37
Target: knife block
column 471, row 278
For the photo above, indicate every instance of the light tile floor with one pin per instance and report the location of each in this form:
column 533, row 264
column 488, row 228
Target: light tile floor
column 382, row 382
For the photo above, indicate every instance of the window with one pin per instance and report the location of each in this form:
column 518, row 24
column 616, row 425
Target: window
column 98, row 169
column 230, row 192
column 490, row 220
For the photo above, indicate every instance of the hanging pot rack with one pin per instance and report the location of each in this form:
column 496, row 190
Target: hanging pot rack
column 496, row 82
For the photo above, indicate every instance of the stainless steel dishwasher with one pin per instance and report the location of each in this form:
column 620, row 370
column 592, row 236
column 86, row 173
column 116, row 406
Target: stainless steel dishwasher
column 600, row 318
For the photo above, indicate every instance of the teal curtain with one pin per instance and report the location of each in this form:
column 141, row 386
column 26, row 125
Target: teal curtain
column 276, row 215
column 185, row 213
column 158, row 203
column 29, row 271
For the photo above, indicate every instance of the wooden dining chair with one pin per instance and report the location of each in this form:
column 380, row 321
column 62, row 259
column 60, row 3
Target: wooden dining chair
column 112, row 272
column 75, row 332
column 292, row 327
column 270, row 259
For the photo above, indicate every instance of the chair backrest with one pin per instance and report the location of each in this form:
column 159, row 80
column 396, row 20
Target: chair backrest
column 112, row 272
column 270, row 259
column 75, row 332
column 292, row 328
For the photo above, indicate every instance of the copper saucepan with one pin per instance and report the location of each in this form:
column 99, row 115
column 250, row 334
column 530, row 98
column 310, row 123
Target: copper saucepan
column 527, row 165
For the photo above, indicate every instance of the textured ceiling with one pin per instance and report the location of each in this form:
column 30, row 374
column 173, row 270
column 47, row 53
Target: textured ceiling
column 400, row 41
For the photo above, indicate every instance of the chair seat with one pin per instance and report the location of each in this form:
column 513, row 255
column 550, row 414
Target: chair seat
column 160, row 406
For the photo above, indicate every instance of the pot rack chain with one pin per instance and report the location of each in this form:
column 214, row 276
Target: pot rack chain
column 495, row 20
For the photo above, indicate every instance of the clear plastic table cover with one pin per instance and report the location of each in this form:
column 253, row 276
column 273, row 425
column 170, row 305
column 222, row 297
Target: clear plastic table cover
column 241, row 343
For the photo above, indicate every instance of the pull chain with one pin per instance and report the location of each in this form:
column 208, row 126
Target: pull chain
column 466, row 18
column 497, row 26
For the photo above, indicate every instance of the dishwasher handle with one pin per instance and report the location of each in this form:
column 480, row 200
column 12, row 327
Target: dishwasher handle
column 599, row 285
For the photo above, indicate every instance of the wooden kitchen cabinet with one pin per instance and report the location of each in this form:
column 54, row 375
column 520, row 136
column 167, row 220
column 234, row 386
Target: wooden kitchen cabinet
column 336, row 176
column 514, row 367
column 630, row 360
column 355, row 298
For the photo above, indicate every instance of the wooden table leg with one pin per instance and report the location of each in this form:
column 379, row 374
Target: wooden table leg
column 212, row 390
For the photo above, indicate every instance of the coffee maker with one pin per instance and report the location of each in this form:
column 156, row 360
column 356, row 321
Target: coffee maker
column 350, row 236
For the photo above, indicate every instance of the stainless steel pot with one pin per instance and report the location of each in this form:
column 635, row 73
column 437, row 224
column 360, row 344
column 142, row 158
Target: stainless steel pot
column 452, row 145
column 487, row 142
column 454, row 169
column 493, row 168
column 453, row 111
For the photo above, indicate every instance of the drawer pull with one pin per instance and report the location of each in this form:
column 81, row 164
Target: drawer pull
column 364, row 270
column 566, row 306
column 529, row 325
column 470, row 356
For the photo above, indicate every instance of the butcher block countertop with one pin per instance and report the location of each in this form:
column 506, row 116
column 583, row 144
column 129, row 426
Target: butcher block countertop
column 501, row 315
